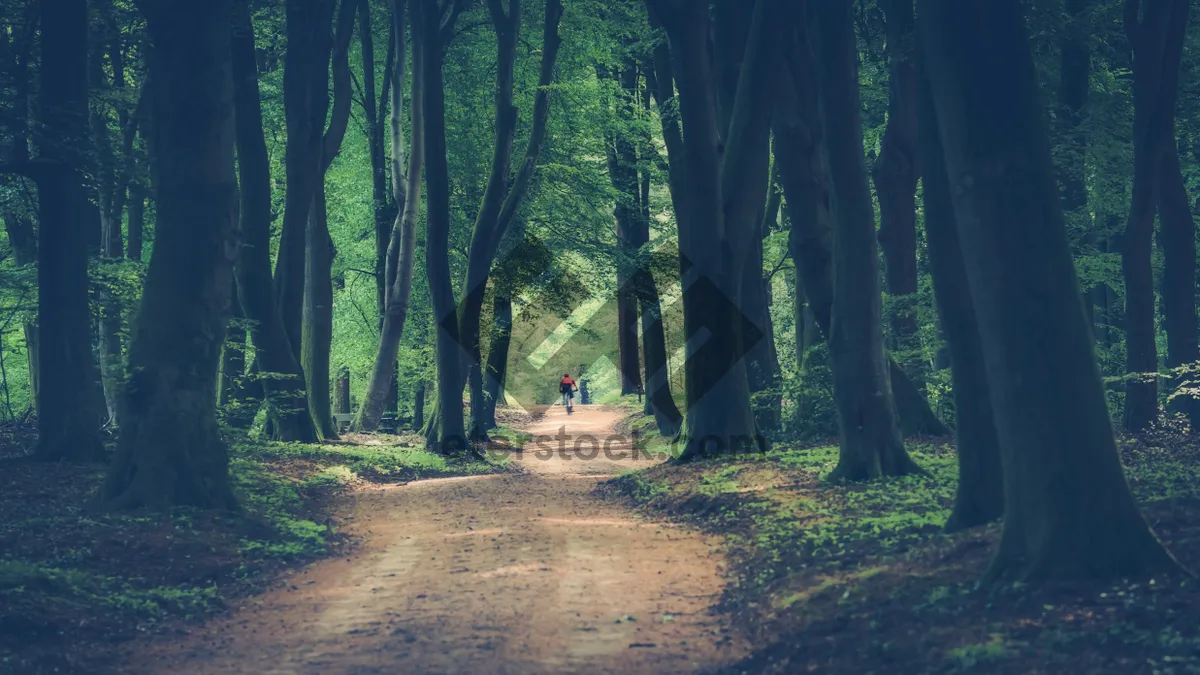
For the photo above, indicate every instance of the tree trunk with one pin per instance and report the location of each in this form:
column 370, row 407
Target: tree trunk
column 623, row 174
column 68, row 419
column 660, row 81
column 341, row 392
column 305, row 105
column 503, row 196
column 1179, row 280
column 170, row 451
column 979, row 497
column 497, row 364
column 722, row 198
column 319, row 251
column 236, row 399
column 762, row 360
column 318, row 316
column 276, row 368
column 896, row 174
column 419, row 406
column 1153, row 111
column 870, row 440
column 444, row 432
column 401, row 254
column 383, row 206
column 1068, row 513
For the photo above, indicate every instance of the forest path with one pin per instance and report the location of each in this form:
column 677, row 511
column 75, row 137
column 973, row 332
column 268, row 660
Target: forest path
column 520, row 573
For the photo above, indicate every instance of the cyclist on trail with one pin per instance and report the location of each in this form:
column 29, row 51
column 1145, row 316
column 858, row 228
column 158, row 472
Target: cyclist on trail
column 567, row 388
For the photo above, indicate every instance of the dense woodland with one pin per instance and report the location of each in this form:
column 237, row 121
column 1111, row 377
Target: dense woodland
column 782, row 221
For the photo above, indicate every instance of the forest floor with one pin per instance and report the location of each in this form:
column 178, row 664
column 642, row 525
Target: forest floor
column 860, row 579
column 75, row 584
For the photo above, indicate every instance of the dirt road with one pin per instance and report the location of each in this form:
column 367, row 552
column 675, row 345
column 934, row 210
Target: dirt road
column 523, row 573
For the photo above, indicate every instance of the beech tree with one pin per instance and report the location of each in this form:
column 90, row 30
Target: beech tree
column 723, row 185
column 503, row 196
column 276, row 364
column 1068, row 513
column 71, row 403
column 400, row 250
column 870, row 440
column 170, row 451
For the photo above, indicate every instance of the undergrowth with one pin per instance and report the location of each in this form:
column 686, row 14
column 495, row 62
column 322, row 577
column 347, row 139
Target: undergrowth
column 860, row 578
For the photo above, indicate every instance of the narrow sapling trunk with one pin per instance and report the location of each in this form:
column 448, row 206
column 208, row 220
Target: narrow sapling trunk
column 1068, row 512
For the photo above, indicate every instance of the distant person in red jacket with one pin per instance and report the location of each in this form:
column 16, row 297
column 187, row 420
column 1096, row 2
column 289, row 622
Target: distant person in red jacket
column 567, row 388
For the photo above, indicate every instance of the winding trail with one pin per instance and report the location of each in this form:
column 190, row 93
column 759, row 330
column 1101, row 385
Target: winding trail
column 522, row 573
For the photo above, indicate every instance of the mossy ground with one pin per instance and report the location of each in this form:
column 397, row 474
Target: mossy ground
column 861, row 579
column 74, row 583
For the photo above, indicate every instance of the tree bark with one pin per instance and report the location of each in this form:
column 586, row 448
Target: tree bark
column 871, row 445
column 497, row 363
column 444, row 432
column 896, row 174
column 276, row 367
column 383, row 206
column 1068, row 513
column 319, row 251
column 503, row 196
column 724, row 183
column 68, row 416
column 979, row 497
column 170, row 452
column 800, row 151
column 660, row 81
column 305, row 104
column 1153, row 112
column 1178, row 233
column 401, row 255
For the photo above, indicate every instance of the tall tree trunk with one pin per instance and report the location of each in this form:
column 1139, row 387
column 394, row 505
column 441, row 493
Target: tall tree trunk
column 305, row 105
column 319, row 251
column 660, row 81
column 170, row 451
column 1179, row 279
column 401, row 251
column 68, row 417
column 979, row 497
column 497, row 363
column 505, row 192
column 383, row 206
column 800, row 151
column 276, row 367
column 762, row 360
column 1068, row 513
column 317, row 335
column 444, row 433
column 623, row 174
column 896, row 173
column 1178, row 233
column 870, row 440
column 1153, row 112
column 722, row 198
